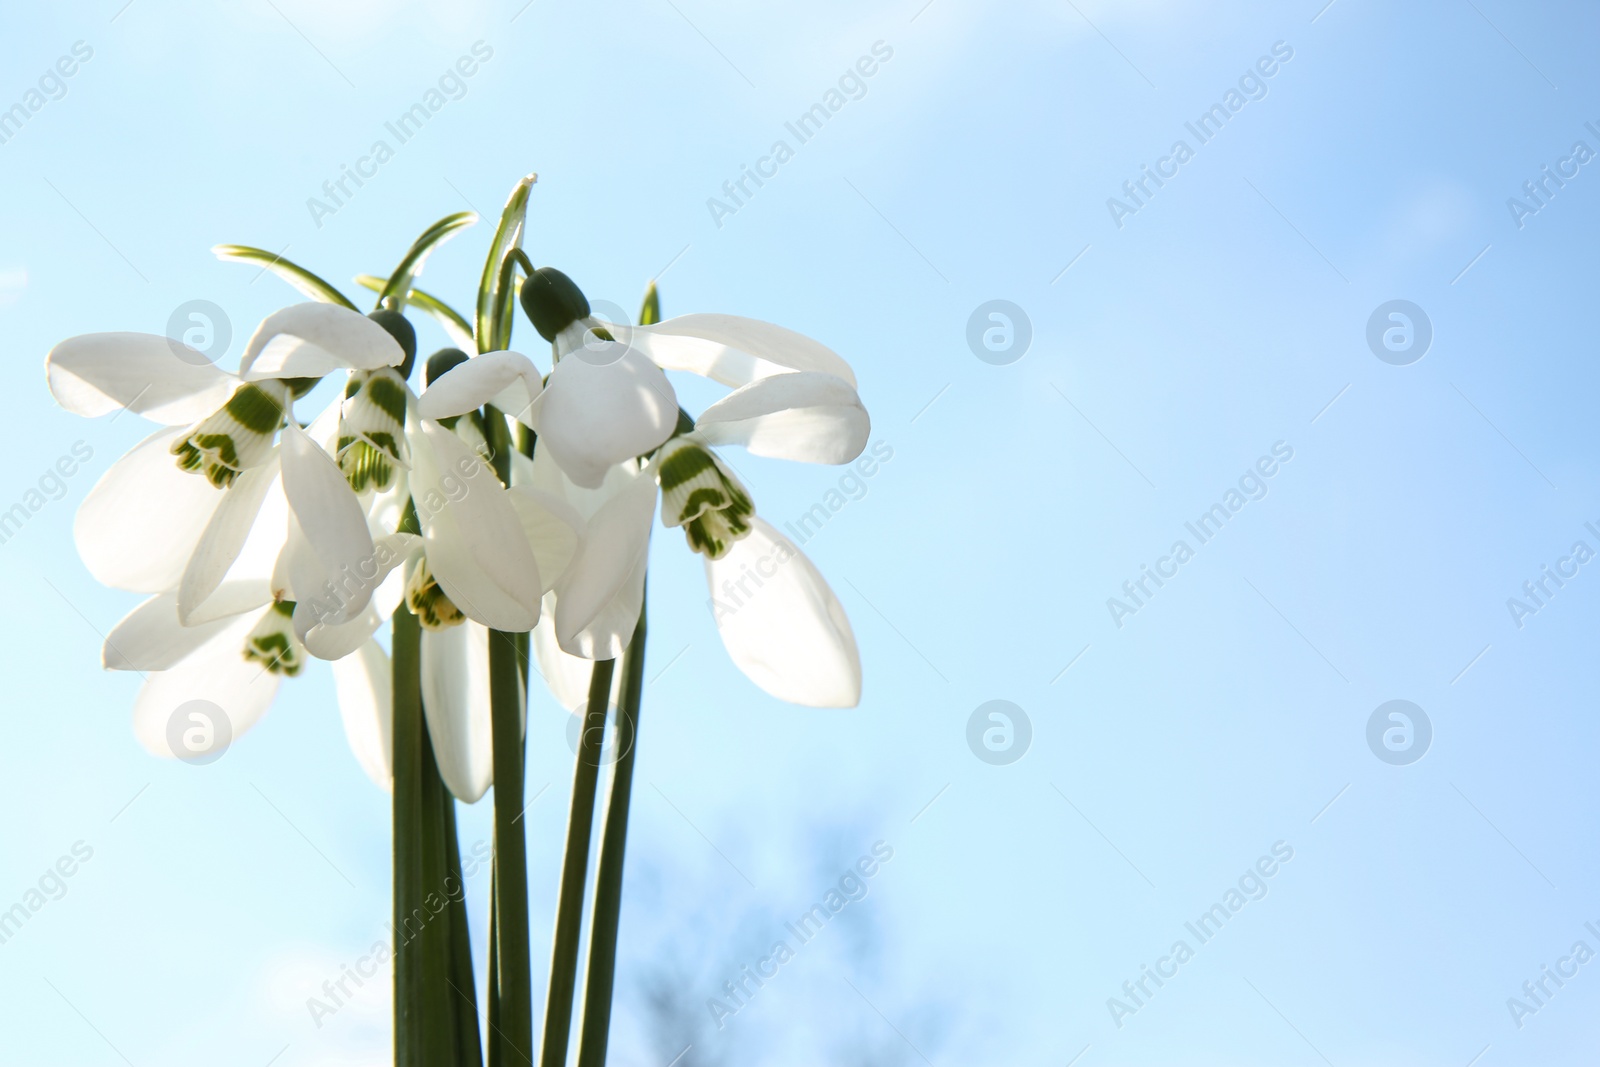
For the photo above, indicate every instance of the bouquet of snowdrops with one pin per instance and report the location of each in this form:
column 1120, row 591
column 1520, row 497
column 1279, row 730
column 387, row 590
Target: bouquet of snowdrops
column 493, row 516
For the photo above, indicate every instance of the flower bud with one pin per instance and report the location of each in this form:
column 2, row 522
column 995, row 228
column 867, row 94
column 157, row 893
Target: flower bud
column 403, row 334
column 441, row 363
column 552, row 302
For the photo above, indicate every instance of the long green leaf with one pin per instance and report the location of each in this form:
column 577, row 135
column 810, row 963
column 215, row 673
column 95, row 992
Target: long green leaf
column 399, row 284
column 454, row 323
column 507, row 235
column 296, row 275
column 505, row 316
column 650, row 309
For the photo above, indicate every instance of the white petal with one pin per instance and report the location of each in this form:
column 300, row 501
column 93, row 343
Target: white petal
column 366, row 704
column 150, row 637
column 385, row 509
column 508, row 380
column 594, row 415
column 398, row 548
column 157, row 377
column 599, row 597
column 324, row 429
column 455, row 700
column 566, row 677
column 553, row 528
column 732, row 350
column 334, row 641
column 476, row 546
column 231, row 526
column 544, row 474
column 140, row 523
column 336, row 572
column 789, row 635
column 314, row 339
column 217, row 674
column 806, row 416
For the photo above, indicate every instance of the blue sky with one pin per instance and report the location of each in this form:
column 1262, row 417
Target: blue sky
column 1229, row 314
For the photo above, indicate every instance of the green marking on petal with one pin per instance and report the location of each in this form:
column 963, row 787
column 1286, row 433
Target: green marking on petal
column 272, row 642
column 428, row 601
column 371, row 443
column 388, row 392
column 703, row 496
column 238, row 436
column 682, row 466
column 255, row 409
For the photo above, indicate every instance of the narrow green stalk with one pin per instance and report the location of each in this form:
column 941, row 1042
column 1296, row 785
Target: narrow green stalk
column 463, row 992
column 511, row 1002
column 514, row 1004
column 428, row 928
column 407, row 764
column 574, row 870
column 600, row 981
column 495, row 1059
column 418, row 968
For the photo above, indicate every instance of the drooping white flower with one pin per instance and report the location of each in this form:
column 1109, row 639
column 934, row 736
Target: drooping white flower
column 488, row 554
column 247, row 531
column 250, row 635
column 793, row 398
column 174, row 512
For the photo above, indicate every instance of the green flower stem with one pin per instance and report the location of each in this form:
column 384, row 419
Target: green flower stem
column 514, row 985
column 494, row 1046
column 463, row 992
column 575, row 869
column 601, row 977
column 511, row 998
column 429, row 930
column 421, row 1036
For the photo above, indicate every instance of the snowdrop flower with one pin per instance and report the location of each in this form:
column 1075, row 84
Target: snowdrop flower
column 238, row 521
column 174, row 512
column 793, row 398
column 236, row 658
column 235, row 650
column 486, row 556
column 605, row 401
